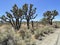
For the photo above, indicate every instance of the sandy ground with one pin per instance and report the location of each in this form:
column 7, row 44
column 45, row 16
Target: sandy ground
column 58, row 40
column 52, row 39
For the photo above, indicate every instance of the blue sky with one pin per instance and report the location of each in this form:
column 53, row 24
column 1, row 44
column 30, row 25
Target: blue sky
column 41, row 5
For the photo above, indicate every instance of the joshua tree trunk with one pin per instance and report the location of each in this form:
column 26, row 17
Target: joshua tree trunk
column 27, row 23
column 12, row 23
column 51, row 22
column 32, row 24
column 20, row 23
column 17, row 24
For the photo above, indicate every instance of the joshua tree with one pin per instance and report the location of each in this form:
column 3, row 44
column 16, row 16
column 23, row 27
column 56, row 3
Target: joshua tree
column 47, row 15
column 54, row 13
column 29, row 12
column 50, row 15
column 14, row 18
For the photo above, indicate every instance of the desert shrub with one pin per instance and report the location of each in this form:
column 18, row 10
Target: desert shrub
column 29, row 42
column 56, row 25
column 48, row 29
column 38, row 33
column 42, row 31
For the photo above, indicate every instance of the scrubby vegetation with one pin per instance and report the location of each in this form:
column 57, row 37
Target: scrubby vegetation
column 23, row 37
